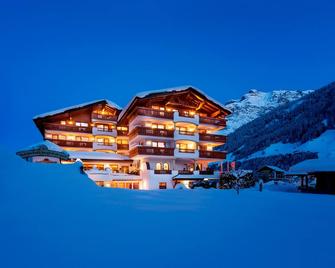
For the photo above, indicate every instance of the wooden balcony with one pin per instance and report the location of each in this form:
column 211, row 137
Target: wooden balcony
column 161, row 172
column 146, row 150
column 213, row 121
column 212, row 138
column 123, row 146
column 185, row 172
column 187, row 133
column 105, row 117
column 69, row 128
column 122, row 132
column 66, row 143
column 186, row 151
column 146, row 131
column 212, row 154
column 153, row 113
column 206, row 172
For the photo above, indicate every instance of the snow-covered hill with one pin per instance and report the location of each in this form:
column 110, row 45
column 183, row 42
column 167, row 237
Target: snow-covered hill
column 256, row 103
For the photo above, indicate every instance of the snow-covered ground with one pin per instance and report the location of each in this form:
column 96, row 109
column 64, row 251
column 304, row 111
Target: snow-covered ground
column 52, row 216
column 324, row 145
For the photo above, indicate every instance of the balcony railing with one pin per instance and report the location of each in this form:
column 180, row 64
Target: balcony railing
column 104, row 117
column 153, row 113
column 185, row 172
column 163, row 171
column 146, row 150
column 188, row 151
column 206, row 172
column 122, row 132
column 123, row 146
column 146, row 131
column 213, row 121
column 71, row 128
column 213, row 138
column 187, row 133
column 66, row 143
column 212, row 154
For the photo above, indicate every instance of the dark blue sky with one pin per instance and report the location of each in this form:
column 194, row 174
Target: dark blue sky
column 55, row 54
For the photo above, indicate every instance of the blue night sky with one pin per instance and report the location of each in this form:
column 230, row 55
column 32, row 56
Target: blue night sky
column 56, row 54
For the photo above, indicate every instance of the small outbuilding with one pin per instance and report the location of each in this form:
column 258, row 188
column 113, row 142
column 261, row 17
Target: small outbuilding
column 323, row 170
column 44, row 152
column 270, row 173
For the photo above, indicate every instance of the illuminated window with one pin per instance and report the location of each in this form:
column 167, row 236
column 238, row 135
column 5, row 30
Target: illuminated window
column 162, row 185
column 154, row 144
column 48, row 136
column 55, row 137
column 148, row 143
column 158, row 166
column 81, row 124
column 63, row 122
column 209, row 147
column 70, row 138
column 166, row 166
column 160, row 126
column 160, row 144
column 84, row 138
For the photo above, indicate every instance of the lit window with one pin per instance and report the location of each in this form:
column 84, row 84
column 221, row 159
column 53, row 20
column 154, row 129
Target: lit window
column 160, row 126
column 154, row 125
column 55, row 137
column 63, row 122
column 84, row 138
column 162, row 185
column 154, row 144
column 166, row 166
column 148, row 143
column 147, row 124
column 209, row 148
column 84, row 124
column 70, row 138
column 78, row 124
column 48, row 136
column 158, row 166
column 160, row 145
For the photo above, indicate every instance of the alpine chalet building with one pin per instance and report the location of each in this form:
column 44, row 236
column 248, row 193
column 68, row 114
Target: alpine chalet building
column 159, row 140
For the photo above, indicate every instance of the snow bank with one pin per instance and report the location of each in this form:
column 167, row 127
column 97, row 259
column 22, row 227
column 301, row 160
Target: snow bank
column 52, row 216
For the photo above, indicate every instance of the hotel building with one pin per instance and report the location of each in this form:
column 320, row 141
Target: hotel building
column 159, row 140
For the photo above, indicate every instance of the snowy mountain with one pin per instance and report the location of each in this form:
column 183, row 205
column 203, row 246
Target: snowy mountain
column 301, row 129
column 256, row 103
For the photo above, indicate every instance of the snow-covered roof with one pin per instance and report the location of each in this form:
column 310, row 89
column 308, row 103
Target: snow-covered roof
column 44, row 148
column 144, row 94
column 110, row 103
column 273, row 168
column 97, row 155
column 44, row 144
column 314, row 165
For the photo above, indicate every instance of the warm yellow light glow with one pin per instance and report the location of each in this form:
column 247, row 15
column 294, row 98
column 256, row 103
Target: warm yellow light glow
column 209, row 148
column 147, row 124
column 107, row 184
column 192, row 112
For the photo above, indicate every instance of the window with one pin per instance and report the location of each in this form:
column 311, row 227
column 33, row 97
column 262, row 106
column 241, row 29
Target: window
column 122, row 141
column 55, row 137
column 162, row 185
column 158, row 166
column 48, row 136
column 63, row 122
column 154, row 144
column 84, row 138
column 148, row 143
column 81, row 124
column 70, row 138
column 166, row 166
column 161, row 145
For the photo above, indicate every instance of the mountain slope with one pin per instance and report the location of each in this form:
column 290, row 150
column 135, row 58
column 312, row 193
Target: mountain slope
column 256, row 103
column 287, row 126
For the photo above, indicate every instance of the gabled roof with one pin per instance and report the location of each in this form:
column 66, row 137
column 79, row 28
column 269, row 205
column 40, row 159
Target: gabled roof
column 274, row 168
column 154, row 93
column 75, row 107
